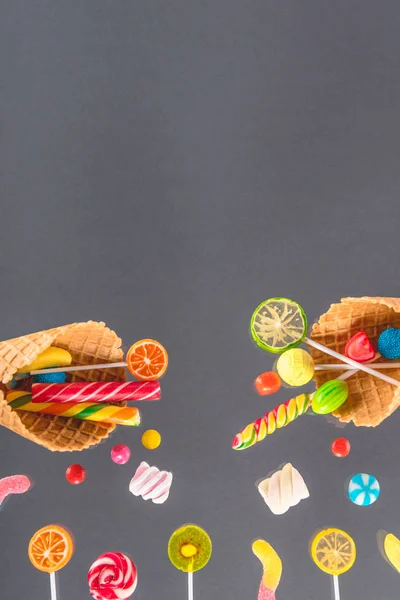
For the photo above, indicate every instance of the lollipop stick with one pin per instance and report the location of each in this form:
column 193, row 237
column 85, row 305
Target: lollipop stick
column 79, row 368
column 337, row 367
column 53, row 587
column 353, row 363
column 190, row 585
column 336, row 587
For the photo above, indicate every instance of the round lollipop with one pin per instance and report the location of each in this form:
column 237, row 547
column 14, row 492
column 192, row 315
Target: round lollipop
column 189, row 550
column 146, row 360
column 334, row 552
column 113, row 576
column 49, row 550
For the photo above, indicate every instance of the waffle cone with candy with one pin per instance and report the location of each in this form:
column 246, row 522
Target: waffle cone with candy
column 87, row 343
column 370, row 400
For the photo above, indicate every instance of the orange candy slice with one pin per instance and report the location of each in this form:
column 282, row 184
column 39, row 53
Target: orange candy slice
column 147, row 360
column 50, row 548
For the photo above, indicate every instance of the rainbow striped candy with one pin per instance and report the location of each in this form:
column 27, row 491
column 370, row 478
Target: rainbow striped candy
column 364, row 489
column 277, row 418
column 88, row 411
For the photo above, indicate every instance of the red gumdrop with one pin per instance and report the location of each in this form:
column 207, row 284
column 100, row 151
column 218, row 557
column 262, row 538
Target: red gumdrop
column 267, row 383
column 340, row 447
column 75, row 474
column 359, row 348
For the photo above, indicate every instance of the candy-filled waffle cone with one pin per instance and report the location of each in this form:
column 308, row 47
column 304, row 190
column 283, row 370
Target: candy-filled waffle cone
column 88, row 343
column 370, row 400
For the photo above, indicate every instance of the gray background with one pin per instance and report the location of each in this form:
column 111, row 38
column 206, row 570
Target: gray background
column 165, row 166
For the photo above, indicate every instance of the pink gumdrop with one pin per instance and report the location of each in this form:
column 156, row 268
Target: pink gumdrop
column 120, row 454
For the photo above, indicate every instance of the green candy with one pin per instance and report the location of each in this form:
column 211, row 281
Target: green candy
column 330, row 396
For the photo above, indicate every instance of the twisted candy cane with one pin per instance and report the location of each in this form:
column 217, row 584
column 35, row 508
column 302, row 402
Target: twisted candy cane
column 279, row 417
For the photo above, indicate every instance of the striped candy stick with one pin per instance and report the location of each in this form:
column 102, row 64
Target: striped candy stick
column 88, row 411
column 277, row 418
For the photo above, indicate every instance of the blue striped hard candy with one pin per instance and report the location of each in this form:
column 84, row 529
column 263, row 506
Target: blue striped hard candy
column 364, row 489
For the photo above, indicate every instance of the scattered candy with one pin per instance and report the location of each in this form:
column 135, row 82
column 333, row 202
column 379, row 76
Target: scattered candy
column 330, row 396
column 359, row 348
column 48, row 358
column 340, row 447
column 151, row 439
column 278, row 324
column 120, row 454
column 150, row 483
column 147, row 360
column 295, row 367
column 95, row 391
column 392, row 550
column 333, row 551
column 283, row 490
column 75, row 474
column 389, row 343
column 50, row 378
column 189, row 548
column 87, row 411
column 267, row 383
column 50, row 549
column 280, row 416
column 15, row 484
column 272, row 569
column 363, row 489
column 113, row 576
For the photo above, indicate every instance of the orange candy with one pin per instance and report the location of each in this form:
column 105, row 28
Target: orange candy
column 50, row 548
column 147, row 360
column 267, row 383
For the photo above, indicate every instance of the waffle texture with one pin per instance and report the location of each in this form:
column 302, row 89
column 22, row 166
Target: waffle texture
column 88, row 343
column 370, row 400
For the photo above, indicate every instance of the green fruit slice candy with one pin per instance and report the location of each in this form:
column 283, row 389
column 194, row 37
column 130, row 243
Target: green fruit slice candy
column 330, row 396
column 278, row 324
column 189, row 548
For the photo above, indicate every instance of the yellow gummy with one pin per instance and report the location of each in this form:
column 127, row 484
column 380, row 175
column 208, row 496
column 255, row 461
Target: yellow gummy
column 392, row 550
column 151, row 439
column 271, row 563
column 51, row 357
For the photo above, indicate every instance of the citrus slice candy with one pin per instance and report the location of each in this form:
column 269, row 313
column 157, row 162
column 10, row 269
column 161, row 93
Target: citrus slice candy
column 147, row 360
column 392, row 550
column 333, row 551
column 278, row 324
column 50, row 548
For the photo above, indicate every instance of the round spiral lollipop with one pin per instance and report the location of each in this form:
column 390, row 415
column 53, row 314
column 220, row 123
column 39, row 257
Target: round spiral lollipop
column 113, row 576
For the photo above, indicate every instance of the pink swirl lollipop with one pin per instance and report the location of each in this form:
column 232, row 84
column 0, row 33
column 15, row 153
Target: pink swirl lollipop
column 113, row 576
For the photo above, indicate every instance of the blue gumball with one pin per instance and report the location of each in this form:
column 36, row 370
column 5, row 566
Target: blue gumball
column 389, row 343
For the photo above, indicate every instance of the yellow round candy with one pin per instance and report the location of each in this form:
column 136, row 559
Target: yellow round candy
column 333, row 551
column 151, row 439
column 295, row 367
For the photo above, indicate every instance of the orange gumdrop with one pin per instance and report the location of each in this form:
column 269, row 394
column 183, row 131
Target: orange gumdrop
column 267, row 383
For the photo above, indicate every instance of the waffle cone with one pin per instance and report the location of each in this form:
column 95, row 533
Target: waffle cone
column 88, row 343
column 370, row 400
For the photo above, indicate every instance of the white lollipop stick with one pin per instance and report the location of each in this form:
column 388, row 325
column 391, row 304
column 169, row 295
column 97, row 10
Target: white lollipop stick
column 79, row 368
column 337, row 367
column 336, row 591
column 353, row 363
column 190, row 585
column 53, row 586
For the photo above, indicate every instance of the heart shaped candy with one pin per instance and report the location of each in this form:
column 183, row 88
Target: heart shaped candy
column 359, row 348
